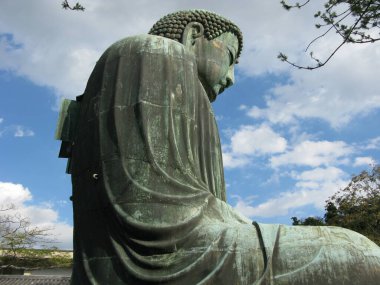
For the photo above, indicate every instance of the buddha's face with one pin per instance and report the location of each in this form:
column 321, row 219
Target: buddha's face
column 215, row 62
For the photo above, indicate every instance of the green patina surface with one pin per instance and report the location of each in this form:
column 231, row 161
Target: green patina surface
column 148, row 182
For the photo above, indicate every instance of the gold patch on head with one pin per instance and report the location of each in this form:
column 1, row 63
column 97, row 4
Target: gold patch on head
column 217, row 44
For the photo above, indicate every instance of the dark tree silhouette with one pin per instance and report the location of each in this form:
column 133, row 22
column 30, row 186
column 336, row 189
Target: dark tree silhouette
column 309, row 221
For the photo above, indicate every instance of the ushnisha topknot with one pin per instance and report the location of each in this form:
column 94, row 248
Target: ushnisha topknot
column 172, row 25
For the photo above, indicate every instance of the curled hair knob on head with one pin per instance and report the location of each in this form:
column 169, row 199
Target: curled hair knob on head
column 173, row 25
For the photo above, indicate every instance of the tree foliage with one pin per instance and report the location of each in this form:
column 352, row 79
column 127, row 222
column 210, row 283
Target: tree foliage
column 356, row 207
column 76, row 7
column 354, row 21
column 310, row 221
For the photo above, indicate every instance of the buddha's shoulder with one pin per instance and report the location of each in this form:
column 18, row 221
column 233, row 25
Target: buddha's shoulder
column 147, row 44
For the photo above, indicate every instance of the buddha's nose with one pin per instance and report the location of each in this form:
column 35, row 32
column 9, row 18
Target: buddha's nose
column 230, row 78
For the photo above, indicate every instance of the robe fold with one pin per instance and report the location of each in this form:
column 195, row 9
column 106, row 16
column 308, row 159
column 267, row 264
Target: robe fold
column 148, row 182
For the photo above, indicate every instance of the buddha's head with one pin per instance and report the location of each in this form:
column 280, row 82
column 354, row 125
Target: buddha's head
column 215, row 41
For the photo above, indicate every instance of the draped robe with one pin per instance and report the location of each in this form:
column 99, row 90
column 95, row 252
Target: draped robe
column 149, row 191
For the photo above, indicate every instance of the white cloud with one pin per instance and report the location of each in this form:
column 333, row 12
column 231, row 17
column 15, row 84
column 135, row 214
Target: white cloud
column 279, row 206
column 313, row 188
column 11, row 193
column 257, row 140
column 2, row 130
column 337, row 93
column 43, row 215
column 364, row 161
column 57, row 48
column 297, row 135
column 21, row 131
column 250, row 141
column 264, row 39
column 320, row 174
column 373, row 143
column 230, row 160
column 17, row 131
column 347, row 87
column 314, row 153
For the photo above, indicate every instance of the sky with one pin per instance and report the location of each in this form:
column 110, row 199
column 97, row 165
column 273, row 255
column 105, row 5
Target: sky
column 290, row 138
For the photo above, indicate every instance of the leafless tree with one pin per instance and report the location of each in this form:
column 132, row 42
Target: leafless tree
column 17, row 233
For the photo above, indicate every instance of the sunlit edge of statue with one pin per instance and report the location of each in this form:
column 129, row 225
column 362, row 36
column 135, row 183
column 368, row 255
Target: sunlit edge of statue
column 148, row 184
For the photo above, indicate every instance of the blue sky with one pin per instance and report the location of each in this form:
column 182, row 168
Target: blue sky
column 290, row 138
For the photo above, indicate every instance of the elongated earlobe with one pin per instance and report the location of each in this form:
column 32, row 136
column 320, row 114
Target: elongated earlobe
column 192, row 31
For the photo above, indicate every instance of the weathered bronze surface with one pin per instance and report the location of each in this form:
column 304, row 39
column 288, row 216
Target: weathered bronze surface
column 148, row 183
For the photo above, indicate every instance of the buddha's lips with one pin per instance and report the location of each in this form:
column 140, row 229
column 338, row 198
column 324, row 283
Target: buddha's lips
column 222, row 87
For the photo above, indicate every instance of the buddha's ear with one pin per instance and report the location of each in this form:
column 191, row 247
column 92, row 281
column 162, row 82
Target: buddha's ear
column 192, row 31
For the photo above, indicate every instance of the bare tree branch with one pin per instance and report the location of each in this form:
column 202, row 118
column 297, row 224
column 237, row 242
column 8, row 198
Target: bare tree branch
column 76, row 7
column 297, row 5
column 17, row 232
column 366, row 16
